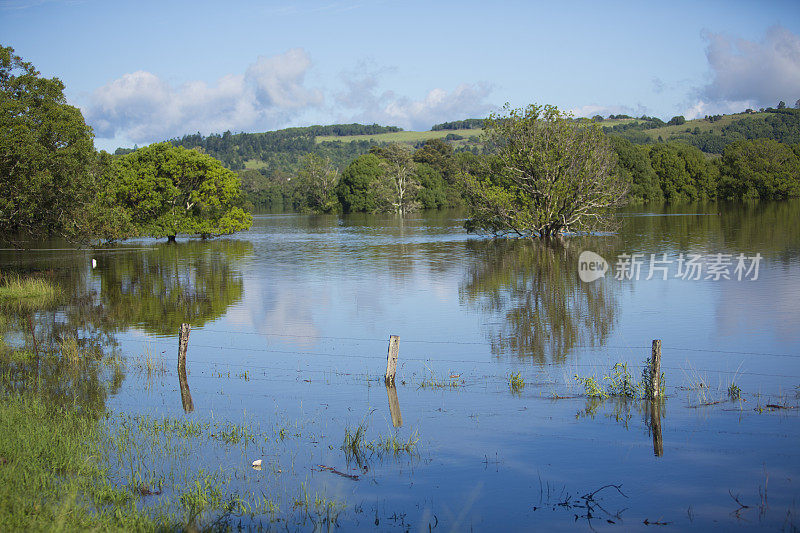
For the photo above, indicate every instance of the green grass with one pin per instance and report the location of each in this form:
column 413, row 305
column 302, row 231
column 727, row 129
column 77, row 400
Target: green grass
column 410, row 137
column 51, row 476
column 667, row 132
column 516, row 382
column 70, row 465
column 620, row 384
column 356, row 447
column 31, row 291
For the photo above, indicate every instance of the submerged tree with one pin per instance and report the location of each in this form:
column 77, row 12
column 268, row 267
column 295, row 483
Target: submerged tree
column 397, row 190
column 317, row 181
column 169, row 191
column 550, row 175
column 46, row 152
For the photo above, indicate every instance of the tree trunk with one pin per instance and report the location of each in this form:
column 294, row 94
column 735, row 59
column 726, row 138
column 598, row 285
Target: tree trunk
column 171, row 239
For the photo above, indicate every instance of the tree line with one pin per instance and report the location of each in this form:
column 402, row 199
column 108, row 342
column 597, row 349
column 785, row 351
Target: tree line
column 397, row 178
column 676, row 172
column 53, row 182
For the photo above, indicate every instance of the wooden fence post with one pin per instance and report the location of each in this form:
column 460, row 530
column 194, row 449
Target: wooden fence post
column 391, row 359
column 655, row 369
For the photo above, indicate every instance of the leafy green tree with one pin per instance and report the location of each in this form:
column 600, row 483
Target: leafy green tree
column 550, row 176
column 317, row 180
column 761, row 168
column 355, row 190
column 439, row 155
column 46, row 152
column 634, row 165
column 433, row 189
column 684, row 173
column 170, row 191
column 397, row 189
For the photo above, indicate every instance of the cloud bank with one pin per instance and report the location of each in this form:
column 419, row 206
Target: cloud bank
column 142, row 107
column 749, row 74
column 591, row 110
column 367, row 104
column 272, row 93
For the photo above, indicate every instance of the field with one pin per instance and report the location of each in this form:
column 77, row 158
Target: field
column 705, row 126
column 410, row 137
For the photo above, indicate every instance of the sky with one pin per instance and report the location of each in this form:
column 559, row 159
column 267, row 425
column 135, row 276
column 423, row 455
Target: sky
column 147, row 71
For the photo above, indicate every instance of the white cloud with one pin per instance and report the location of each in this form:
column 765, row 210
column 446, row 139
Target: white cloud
column 756, row 73
column 605, row 110
column 362, row 95
column 702, row 108
column 142, row 107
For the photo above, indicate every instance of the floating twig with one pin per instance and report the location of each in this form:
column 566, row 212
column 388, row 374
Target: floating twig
column 337, row 472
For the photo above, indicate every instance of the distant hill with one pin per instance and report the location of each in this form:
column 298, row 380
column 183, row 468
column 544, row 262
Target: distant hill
column 268, row 161
column 281, row 150
column 712, row 134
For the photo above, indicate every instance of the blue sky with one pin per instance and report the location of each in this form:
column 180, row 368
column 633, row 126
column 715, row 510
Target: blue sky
column 146, row 71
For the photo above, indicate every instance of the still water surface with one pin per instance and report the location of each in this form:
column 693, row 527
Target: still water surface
column 305, row 306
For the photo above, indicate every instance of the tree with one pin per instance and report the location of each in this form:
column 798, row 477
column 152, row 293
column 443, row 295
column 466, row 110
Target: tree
column 46, row 152
column 355, row 190
column 317, row 180
column 169, row 191
column 781, row 105
column 550, row 176
column 678, row 120
column 761, row 168
column 684, row 173
column 397, row 191
column 634, row 164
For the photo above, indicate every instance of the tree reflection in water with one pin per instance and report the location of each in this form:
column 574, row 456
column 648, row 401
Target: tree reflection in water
column 543, row 310
column 161, row 288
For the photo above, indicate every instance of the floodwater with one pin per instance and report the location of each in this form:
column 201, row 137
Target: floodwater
column 290, row 327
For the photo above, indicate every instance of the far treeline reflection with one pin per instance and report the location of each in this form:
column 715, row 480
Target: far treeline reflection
column 545, row 311
column 155, row 289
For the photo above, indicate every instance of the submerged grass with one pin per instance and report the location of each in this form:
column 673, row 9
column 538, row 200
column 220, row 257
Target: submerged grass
column 516, row 382
column 356, row 446
column 70, row 465
column 620, row 384
column 28, row 290
column 51, row 476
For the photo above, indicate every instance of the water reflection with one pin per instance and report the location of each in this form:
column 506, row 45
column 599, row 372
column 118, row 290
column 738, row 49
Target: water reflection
column 542, row 308
column 186, row 394
column 394, row 406
column 655, row 407
column 160, row 288
column 45, row 349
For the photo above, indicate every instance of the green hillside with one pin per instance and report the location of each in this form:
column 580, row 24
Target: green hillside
column 409, row 137
column 712, row 134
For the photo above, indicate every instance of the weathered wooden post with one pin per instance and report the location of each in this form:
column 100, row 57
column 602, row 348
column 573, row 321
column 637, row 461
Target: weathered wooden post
column 394, row 406
column 655, row 370
column 183, row 345
column 391, row 359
